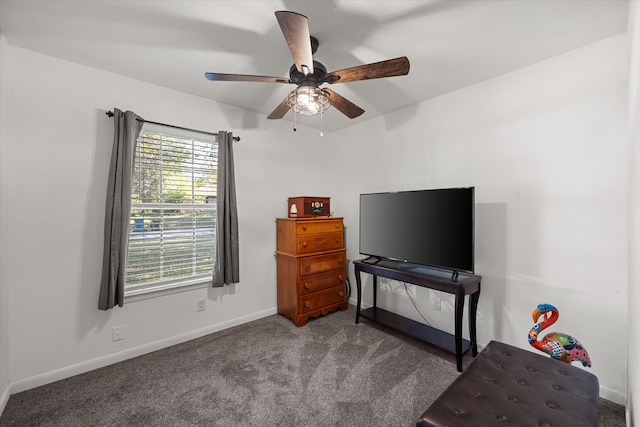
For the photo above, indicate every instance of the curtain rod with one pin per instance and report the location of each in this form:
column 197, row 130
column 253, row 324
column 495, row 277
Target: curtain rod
column 235, row 138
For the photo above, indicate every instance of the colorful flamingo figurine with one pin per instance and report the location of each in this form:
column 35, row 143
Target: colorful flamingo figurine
column 559, row 346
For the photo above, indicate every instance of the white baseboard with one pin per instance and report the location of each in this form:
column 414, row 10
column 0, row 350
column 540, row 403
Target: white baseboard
column 100, row 362
column 4, row 398
column 613, row 395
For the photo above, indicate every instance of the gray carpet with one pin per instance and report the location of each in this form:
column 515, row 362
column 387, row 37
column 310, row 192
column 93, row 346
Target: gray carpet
column 330, row 372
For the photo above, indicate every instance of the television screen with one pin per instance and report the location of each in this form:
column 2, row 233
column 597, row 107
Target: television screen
column 427, row 227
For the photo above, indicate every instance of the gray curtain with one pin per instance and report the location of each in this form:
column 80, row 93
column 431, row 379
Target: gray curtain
column 118, row 208
column 226, row 269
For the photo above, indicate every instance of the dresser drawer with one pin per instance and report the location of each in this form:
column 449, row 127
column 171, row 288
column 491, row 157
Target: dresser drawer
column 319, row 242
column 317, row 282
column 304, row 236
column 321, row 226
column 319, row 263
column 320, row 299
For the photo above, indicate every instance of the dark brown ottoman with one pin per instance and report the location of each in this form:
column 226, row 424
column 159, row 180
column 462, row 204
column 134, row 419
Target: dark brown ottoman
column 505, row 385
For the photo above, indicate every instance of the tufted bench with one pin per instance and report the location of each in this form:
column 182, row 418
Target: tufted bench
column 505, row 385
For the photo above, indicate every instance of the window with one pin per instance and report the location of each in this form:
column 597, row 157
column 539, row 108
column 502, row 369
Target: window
column 173, row 211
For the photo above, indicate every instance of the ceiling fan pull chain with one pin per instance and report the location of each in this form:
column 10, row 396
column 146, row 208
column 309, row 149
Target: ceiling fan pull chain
column 295, row 117
column 321, row 132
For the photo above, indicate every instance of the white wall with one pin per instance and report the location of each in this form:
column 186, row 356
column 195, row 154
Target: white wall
column 633, row 402
column 545, row 147
column 55, row 156
column 4, row 286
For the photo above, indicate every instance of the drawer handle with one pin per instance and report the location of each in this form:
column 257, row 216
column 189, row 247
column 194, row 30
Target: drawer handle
column 337, row 225
column 306, row 286
column 304, row 228
column 340, row 277
column 307, row 268
column 304, row 244
column 339, row 262
column 337, row 240
column 341, row 294
column 307, row 304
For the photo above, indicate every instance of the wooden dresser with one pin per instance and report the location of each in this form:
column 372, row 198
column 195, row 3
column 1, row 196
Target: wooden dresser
column 311, row 267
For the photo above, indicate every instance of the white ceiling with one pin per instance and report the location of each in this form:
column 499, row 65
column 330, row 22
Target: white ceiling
column 450, row 44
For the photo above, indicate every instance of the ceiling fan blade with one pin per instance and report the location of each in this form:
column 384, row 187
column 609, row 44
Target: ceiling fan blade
column 221, row 77
column 376, row 70
column 280, row 110
column 343, row 105
column 295, row 28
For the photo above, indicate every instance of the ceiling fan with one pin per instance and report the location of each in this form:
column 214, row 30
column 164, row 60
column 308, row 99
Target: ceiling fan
column 308, row 98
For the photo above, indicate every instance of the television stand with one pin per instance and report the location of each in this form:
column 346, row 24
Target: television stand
column 460, row 286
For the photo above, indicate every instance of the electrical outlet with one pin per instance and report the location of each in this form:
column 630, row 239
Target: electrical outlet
column 118, row 333
column 200, row 305
column 436, row 304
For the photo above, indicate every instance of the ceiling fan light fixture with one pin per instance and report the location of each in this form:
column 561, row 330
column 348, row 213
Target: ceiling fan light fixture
column 308, row 100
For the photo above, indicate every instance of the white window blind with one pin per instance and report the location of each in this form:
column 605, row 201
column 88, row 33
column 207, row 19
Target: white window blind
column 173, row 210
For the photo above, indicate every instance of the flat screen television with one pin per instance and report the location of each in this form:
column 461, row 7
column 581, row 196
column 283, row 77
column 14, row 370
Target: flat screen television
column 427, row 227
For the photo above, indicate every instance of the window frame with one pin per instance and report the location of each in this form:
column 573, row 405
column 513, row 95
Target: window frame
column 153, row 289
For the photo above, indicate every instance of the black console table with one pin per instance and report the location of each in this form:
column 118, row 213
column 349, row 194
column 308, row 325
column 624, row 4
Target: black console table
column 458, row 285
